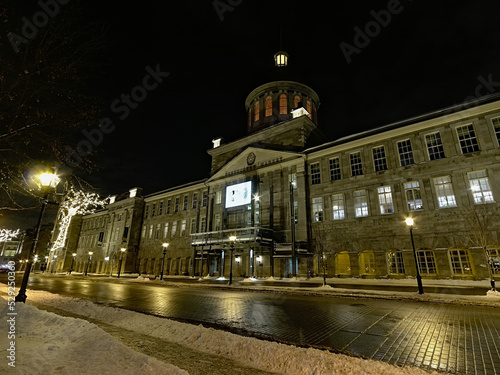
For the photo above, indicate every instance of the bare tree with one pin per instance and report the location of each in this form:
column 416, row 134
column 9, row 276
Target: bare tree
column 48, row 56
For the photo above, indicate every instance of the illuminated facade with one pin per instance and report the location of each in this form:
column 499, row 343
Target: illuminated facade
column 337, row 207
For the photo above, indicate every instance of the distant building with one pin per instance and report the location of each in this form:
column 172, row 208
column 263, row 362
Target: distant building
column 298, row 205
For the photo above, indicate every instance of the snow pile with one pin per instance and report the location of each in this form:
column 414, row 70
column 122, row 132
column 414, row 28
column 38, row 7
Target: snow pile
column 47, row 343
column 251, row 352
column 493, row 294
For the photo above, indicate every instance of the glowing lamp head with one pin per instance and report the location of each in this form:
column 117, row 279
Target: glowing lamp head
column 281, row 59
column 90, row 252
column 74, row 254
column 409, row 221
column 123, row 249
column 165, row 245
column 48, row 179
column 232, row 238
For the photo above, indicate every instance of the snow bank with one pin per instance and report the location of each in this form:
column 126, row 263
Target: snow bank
column 47, row 343
column 269, row 356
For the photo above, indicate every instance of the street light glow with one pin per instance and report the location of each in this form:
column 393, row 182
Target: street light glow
column 48, row 179
column 165, row 245
column 123, row 249
column 409, row 221
column 232, row 238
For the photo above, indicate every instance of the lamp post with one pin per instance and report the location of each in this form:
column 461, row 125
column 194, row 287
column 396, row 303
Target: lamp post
column 88, row 263
column 165, row 245
column 121, row 259
column 47, row 181
column 54, row 264
column 46, row 264
column 34, row 262
column 72, row 262
column 409, row 222
column 232, row 239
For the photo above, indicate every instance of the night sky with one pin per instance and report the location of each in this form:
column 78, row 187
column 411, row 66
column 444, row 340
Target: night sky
column 427, row 56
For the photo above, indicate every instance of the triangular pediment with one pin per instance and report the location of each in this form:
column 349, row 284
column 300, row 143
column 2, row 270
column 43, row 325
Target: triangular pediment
column 253, row 158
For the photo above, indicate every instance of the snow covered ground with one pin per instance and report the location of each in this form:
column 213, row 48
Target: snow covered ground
column 47, row 343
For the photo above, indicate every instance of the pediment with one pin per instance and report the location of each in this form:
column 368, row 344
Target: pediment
column 253, row 158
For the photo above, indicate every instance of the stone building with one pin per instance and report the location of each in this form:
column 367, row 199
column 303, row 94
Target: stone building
column 283, row 202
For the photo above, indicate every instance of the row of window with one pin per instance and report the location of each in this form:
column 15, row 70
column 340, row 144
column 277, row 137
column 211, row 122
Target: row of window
column 98, row 222
column 166, row 206
column 282, row 107
column 460, row 262
column 478, row 181
column 98, row 239
column 466, row 136
column 163, row 230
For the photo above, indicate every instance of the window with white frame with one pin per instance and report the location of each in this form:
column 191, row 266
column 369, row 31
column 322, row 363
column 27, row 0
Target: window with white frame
column 335, row 169
column 426, row 262
column 317, row 209
column 444, row 192
column 356, row 165
column 467, row 138
column 204, row 199
column 460, row 262
column 434, row 146
column 413, row 196
column 494, row 260
column 405, row 153
column 367, row 262
column 183, row 228
column 193, row 226
column 292, row 179
column 379, row 159
column 143, row 236
column 395, row 262
column 360, row 203
column 315, row 174
column 174, row 229
column 150, row 232
column 195, row 200
column 338, row 206
column 496, row 128
column 165, row 230
column 385, row 200
column 203, row 226
column 218, row 197
column 480, row 187
column 157, row 231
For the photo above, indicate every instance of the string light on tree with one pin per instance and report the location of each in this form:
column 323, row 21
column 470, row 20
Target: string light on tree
column 8, row 234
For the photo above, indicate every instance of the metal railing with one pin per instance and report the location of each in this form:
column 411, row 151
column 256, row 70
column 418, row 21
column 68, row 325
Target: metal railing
column 249, row 234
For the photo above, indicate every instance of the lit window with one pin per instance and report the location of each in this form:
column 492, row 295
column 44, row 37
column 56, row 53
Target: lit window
column 480, row 187
column 379, row 159
column 317, row 209
column 309, row 109
column 360, row 203
column 157, row 231
column 367, row 262
column 413, row 196
column 395, row 262
column 385, row 200
column 174, row 229
column 467, row 139
column 460, row 262
column 342, row 263
column 165, row 230
column 143, row 236
column 283, row 104
column 494, row 260
column 296, row 101
column 335, row 169
column 150, row 232
column 183, row 228
column 185, row 203
column 434, row 146
column 218, row 197
column 444, row 192
column 269, row 106
column 426, row 262
column 256, row 110
column 338, row 206
column 356, row 166
column 193, row 226
column 405, row 153
column 496, row 127
column 292, row 179
column 315, row 174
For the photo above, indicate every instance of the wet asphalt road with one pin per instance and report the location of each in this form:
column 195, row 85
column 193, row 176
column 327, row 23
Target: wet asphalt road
column 451, row 338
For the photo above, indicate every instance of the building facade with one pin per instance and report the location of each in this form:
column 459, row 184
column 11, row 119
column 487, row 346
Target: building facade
column 279, row 202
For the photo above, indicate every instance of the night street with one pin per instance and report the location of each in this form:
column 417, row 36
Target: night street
column 445, row 337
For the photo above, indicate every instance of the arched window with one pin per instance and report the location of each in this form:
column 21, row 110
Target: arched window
column 269, row 106
column 342, row 263
column 366, row 262
column 296, row 101
column 256, row 110
column 283, row 104
column 309, row 109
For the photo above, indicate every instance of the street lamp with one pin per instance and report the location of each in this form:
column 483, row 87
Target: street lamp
column 72, row 261
column 121, row 259
column 88, row 263
column 409, row 222
column 232, row 239
column 165, row 245
column 47, row 181
column 54, row 264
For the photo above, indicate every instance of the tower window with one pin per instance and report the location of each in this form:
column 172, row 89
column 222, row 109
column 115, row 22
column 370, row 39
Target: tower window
column 256, row 110
column 269, row 106
column 309, row 109
column 283, row 104
column 296, row 101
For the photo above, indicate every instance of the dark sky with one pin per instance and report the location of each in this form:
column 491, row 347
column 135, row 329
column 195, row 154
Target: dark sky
column 427, row 56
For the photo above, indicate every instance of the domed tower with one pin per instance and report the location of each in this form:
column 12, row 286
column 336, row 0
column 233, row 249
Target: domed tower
column 281, row 98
